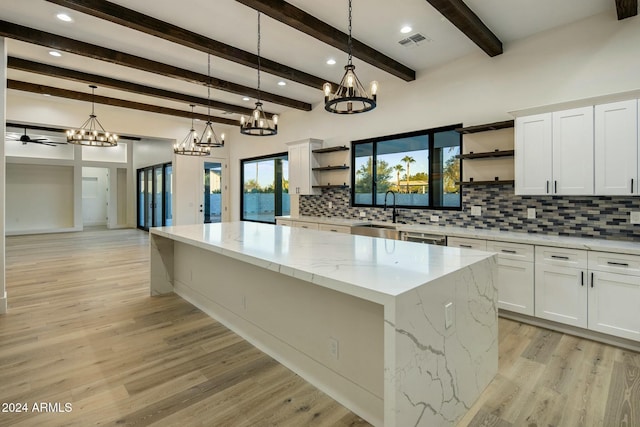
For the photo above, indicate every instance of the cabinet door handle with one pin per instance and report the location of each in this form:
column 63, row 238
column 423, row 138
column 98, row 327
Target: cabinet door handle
column 582, row 278
column 631, row 185
column 508, row 251
column 619, row 264
column 566, row 258
column 547, row 187
column 466, row 246
column 555, row 187
column 592, row 279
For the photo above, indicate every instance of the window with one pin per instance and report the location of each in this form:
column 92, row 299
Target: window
column 265, row 188
column 422, row 168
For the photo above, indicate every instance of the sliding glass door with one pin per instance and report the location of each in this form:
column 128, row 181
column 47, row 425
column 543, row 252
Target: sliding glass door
column 154, row 196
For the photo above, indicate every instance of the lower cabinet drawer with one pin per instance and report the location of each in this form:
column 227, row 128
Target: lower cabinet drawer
column 309, row 225
column 614, row 263
column 572, row 258
column 334, row 228
column 466, row 243
column 515, row 251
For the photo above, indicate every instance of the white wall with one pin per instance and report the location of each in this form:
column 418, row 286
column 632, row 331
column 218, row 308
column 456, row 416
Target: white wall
column 149, row 152
column 593, row 57
column 39, row 198
column 3, row 110
column 95, row 198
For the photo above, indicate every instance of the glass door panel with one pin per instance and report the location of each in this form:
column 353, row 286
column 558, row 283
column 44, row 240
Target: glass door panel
column 148, row 199
column 157, row 196
column 168, row 194
column 141, row 204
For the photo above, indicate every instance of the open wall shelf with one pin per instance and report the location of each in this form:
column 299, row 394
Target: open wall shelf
column 486, row 127
column 331, row 168
column 488, row 154
column 331, row 186
column 331, row 149
column 498, row 182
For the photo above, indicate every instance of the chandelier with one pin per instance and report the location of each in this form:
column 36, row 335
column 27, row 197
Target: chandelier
column 91, row 132
column 350, row 97
column 189, row 145
column 258, row 124
column 209, row 138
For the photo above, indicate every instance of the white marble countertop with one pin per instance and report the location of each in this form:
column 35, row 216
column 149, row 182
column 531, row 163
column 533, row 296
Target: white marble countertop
column 365, row 267
column 631, row 248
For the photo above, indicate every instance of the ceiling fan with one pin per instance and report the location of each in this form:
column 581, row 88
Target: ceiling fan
column 26, row 139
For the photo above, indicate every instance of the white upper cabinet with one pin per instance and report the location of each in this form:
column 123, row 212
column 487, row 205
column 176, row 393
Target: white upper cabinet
column 554, row 153
column 573, row 151
column 533, row 151
column 616, row 148
column 301, row 161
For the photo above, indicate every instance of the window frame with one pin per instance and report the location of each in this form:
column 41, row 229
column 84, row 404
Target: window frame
column 249, row 159
column 431, row 133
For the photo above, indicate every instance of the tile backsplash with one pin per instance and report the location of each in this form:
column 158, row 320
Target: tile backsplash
column 579, row 216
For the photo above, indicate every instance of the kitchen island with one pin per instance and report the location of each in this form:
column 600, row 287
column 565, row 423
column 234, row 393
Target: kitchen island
column 403, row 334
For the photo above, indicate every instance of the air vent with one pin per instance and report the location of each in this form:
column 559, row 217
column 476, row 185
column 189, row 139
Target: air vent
column 414, row 40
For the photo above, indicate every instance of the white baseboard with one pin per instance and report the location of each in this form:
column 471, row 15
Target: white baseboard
column 43, row 231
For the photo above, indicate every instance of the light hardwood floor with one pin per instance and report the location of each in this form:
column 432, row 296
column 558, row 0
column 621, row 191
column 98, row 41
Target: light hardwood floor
column 82, row 329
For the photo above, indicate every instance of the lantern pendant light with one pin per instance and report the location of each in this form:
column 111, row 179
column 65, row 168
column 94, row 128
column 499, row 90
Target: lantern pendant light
column 189, row 145
column 258, row 124
column 350, row 97
column 91, row 133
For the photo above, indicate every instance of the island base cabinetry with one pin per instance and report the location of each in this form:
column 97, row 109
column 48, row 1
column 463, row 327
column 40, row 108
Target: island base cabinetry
column 420, row 357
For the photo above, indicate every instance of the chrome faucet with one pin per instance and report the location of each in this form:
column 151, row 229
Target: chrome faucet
column 394, row 214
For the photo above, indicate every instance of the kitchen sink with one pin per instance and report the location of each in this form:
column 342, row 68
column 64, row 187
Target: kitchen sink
column 376, row 230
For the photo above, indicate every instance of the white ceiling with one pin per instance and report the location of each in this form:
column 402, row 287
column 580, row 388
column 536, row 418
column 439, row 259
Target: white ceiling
column 375, row 22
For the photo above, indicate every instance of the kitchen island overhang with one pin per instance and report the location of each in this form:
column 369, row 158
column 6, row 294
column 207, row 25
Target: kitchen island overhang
column 400, row 333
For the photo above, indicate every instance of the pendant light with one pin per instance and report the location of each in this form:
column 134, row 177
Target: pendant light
column 91, row 133
column 188, row 146
column 258, row 124
column 209, row 138
column 350, row 97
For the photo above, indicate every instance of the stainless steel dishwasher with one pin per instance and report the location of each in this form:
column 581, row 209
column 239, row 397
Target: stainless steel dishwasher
column 428, row 238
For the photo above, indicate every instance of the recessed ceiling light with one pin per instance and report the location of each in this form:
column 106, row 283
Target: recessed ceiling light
column 406, row 29
column 55, row 53
column 46, row 94
column 282, row 83
column 64, row 17
column 246, row 98
column 331, row 61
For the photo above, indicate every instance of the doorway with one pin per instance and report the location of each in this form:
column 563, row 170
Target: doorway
column 212, row 192
column 95, row 197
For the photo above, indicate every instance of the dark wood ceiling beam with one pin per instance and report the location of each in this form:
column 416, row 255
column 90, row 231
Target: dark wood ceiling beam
column 65, row 44
column 78, row 76
column 114, row 102
column 138, row 21
column 459, row 14
column 626, row 8
column 302, row 21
